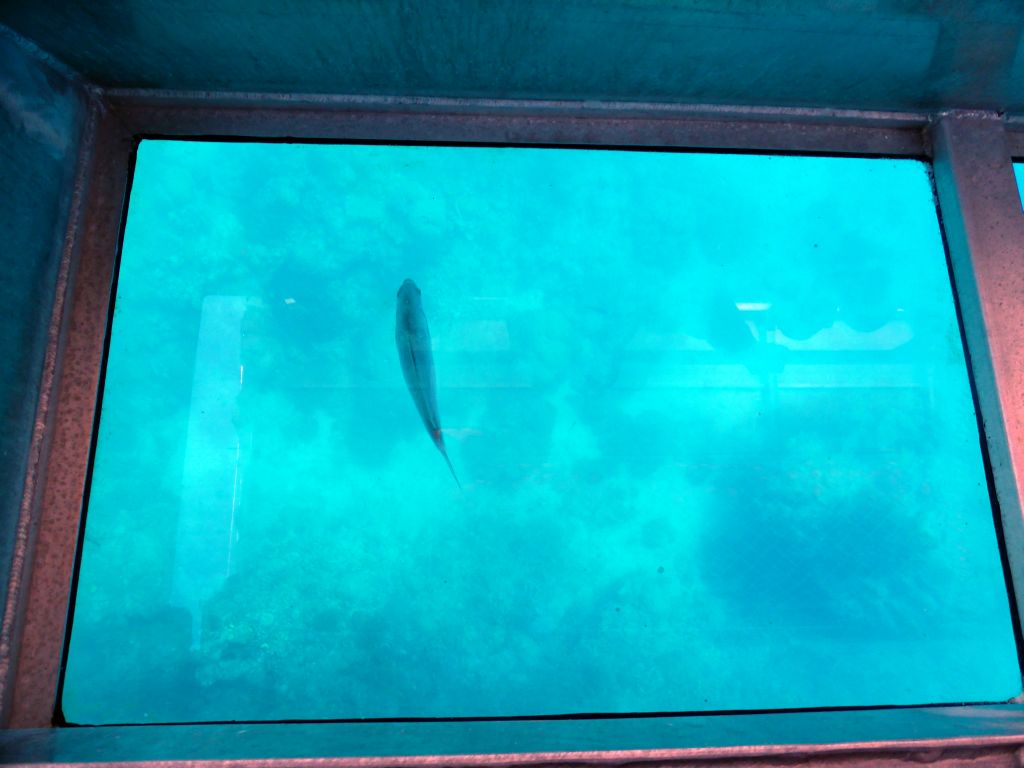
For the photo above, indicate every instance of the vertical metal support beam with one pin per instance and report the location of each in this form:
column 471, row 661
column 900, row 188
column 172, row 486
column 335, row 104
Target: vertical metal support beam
column 81, row 328
column 984, row 225
column 46, row 119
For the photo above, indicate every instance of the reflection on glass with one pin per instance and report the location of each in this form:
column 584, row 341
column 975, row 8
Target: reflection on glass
column 710, row 415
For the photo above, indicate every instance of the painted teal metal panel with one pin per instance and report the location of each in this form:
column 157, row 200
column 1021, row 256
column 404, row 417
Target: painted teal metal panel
column 862, row 54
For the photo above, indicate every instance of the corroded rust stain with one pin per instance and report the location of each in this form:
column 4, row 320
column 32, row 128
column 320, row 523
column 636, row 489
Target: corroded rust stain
column 74, row 367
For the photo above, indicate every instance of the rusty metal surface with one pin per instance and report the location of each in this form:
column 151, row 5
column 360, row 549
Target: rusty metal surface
column 512, row 122
column 141, row 97
column 974, row 734
column 75, row 366
column 1015, row 138
column 42, row 116
column 29, row 512
column 984, row 225
column 868, row 757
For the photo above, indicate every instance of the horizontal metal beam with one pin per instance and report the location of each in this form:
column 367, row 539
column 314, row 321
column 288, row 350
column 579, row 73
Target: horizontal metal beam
column 983, row 735
column 644, row 125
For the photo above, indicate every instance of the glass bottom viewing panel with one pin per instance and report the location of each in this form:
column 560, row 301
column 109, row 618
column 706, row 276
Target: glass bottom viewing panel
column 711, row 438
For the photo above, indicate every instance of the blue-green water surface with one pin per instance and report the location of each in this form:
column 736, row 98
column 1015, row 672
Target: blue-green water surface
column 710, row 414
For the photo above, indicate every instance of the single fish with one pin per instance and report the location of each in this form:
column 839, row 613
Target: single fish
column 412, row 337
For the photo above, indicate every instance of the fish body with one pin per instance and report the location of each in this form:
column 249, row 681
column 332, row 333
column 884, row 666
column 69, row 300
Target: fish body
column 412, row 337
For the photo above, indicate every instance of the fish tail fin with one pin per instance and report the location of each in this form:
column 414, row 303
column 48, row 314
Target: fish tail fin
column 449, row 462
column 439, row 441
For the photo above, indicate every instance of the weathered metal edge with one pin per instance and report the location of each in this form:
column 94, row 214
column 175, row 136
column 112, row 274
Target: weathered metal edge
column 35, row 477
column 984, row 226
column 453, row 105
column 261, row 116
column 52, row 503
column 1015, row 135
column 980, row 751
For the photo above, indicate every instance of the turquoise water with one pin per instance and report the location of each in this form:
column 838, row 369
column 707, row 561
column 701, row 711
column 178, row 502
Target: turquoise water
column 710, row 415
